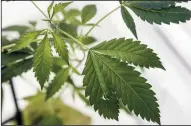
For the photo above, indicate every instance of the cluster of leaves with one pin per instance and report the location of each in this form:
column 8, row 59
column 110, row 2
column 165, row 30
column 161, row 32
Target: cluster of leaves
column 154, row 12
column 20, row 61
column 110, row 77
column 30, row 51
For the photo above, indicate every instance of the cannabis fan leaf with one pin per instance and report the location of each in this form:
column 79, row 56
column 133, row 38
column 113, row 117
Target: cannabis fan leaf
column 153, row 4
column 25, row 40
column 57, row 82
column 111, row 80
column 42, row 61
column 94, row 80
column 154, row 12
column 174, row 14
column 96, row 88
column 109, row 109
column 15, row 69
column 13, row 57
column 60, row 47
column 124, row 81
column 128, row 19
column 50, row 8
column 88, row 12
column 58, row 7
column 130, row 51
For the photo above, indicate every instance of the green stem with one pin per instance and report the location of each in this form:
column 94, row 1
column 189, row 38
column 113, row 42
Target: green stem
column 102, row 19
column 77, row 41
column 39, row 9
column 8, row 46
column 11, row 45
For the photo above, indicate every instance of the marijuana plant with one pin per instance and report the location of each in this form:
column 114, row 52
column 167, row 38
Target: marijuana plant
column 110, row 78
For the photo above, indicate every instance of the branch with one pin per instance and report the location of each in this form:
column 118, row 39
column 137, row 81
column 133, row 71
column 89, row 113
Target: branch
column 102, row 20
column 18, row 116
column 77, row 41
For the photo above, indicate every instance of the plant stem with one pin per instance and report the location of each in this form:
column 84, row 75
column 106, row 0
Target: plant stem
column 39, row 9
column 102, row 19
column 18, row 112
column 8, row 46
column 11, row 45
column 77, row 41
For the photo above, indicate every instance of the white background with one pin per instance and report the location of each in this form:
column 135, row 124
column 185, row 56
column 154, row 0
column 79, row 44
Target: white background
column 173, row 86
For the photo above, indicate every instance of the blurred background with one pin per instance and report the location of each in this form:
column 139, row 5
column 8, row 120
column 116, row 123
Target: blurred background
column 171, row 42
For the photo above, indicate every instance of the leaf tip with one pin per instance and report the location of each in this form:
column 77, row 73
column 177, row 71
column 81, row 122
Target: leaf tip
column 158, row 122
column 136, row 36
column 162, row 67
column 47, row 98
column 67, row 61
column 116, row 118
column 41, row 87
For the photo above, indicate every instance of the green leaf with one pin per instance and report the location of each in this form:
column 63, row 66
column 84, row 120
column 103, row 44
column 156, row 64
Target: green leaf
column 96, row 88
column 51, row 120
column 16, row 28
column 109, row 109
column 69, row 28
column 59, row 61
column 128, row 86
column 60, row 47
column 50, row 8
column 25, row 40
column 56, row 68
column 13, row 57
column 88, row 12
column 165, row 15
column 33, row 23
column 71, row 14
column 58, row 64
column 128, row 19
column 94, row 80
column 34, row 45
column 57, row 82
column 86, row 39
column 74, row 21
column 16, row 69
column 42, row 61
column 153, row 4
column 130, row 51
column 59, row 7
